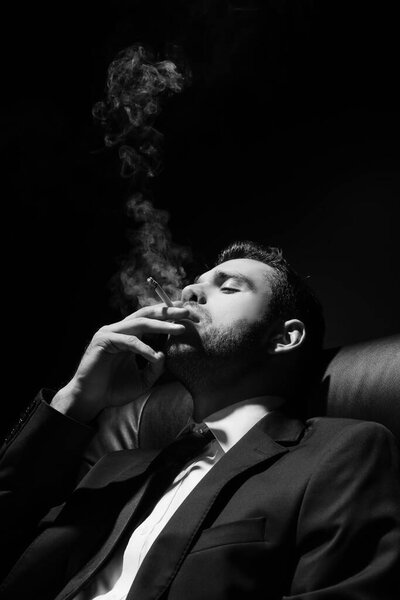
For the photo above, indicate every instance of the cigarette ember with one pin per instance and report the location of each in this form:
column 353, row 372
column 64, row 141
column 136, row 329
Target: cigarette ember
column 159, row 291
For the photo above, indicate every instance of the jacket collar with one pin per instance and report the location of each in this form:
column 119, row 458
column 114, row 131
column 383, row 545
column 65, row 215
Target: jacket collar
column 275, row 428
column 232, row 422
column 282, row 429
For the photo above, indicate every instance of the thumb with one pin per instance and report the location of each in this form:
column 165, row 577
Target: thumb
column 153, row 370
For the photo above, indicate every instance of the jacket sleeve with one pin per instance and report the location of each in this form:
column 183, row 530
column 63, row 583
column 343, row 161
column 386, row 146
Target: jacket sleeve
column 39, row 466
column 349, row 525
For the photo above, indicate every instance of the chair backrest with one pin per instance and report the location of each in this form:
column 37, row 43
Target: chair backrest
column 359, row 381
column 362, row 381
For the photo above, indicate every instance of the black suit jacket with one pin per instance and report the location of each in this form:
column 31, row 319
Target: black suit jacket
column 293, row 510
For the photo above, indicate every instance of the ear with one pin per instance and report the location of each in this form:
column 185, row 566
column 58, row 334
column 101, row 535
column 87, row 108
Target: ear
column 291, row 335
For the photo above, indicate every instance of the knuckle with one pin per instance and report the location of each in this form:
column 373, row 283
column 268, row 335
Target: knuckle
column 99, row 335
column 140, row 312
column 136, row 322
column 99, row 339
column 140, row 321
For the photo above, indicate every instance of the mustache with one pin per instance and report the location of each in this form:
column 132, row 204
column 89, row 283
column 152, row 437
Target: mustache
column 197, row 310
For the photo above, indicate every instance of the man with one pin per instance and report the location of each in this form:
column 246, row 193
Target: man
column 269, row 507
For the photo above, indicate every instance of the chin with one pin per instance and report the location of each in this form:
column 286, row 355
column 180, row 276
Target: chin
column 180, row 348
column 185, row 361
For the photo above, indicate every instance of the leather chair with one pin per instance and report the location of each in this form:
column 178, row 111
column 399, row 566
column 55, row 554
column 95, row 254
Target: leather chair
column 359, row 381
column 362, row 381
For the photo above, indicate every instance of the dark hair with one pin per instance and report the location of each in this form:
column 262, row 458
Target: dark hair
column 292, row 297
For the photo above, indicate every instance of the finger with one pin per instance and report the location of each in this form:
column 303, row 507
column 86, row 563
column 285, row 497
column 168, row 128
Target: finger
column 142, row 325
column 153, row 371
column 161, row 312
column 114, row 343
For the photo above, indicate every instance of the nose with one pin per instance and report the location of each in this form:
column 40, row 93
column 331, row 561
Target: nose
column 194, row 293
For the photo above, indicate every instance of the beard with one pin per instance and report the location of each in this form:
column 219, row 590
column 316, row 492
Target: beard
column 217, row 355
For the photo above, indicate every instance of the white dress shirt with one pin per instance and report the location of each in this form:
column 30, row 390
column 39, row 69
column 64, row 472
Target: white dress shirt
column 228, row 426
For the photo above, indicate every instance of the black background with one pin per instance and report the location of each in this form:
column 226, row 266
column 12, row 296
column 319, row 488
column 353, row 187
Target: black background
column 289, row 135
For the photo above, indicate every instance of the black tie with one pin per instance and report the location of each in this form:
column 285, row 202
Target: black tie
column 189, row 443
column 171, row 460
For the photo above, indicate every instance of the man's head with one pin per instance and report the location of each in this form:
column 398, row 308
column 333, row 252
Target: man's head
column 255, row 321
column 291, row 296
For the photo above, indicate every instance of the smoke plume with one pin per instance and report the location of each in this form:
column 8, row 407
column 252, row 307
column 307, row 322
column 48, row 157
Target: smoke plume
column 152, row 252
column 138, row 84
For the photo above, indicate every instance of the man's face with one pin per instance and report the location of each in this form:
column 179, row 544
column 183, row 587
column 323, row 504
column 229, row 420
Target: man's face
column 229, row 309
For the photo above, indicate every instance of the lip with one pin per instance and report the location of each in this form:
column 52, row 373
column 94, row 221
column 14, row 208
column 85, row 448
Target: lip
column 193, row 318
column 191, row 321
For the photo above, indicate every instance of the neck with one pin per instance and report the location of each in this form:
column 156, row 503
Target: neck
column 211, row 399
column 215, row 383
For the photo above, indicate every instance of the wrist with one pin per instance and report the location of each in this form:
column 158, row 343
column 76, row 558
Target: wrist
column 69, row 401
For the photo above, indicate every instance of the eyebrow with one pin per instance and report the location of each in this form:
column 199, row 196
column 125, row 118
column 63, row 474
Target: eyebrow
column 221, row 276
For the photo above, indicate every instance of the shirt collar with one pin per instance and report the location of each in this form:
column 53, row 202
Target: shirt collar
column 232, row 422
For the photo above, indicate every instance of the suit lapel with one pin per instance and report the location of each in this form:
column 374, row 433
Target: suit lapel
column 132, row 470
column 259, row 445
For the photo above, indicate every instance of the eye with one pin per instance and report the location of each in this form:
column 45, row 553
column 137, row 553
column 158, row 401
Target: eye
column 229, row 290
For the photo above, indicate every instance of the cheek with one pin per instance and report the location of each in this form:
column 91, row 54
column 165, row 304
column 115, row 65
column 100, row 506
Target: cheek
column 237, row 309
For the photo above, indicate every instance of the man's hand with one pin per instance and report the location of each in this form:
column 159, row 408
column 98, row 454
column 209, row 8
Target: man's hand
column 108, row 374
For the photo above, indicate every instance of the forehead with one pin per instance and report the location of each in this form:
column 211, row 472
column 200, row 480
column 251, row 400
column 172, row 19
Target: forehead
column 257, row 272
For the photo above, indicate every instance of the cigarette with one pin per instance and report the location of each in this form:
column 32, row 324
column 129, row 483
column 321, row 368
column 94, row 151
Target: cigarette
column 159, row 291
